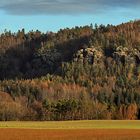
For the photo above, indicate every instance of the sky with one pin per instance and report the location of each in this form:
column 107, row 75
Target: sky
column 51, row 15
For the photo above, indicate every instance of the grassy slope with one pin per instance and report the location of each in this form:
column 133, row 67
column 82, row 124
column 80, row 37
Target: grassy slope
column 73, row 125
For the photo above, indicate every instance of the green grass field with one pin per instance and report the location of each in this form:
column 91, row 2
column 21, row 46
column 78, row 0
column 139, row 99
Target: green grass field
column 73, row 125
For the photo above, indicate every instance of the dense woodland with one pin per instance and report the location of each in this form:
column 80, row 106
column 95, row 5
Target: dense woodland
column 89, row 72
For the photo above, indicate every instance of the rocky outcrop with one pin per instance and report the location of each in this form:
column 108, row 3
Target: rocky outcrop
column 127, row 55
column 91, row 55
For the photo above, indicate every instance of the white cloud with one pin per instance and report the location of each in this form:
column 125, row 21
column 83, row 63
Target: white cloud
column 67, row 7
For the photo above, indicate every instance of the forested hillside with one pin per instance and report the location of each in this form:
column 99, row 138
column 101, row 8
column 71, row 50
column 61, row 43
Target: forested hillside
column 90, row 72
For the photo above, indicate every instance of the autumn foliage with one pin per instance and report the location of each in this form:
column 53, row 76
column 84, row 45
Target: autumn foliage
column 75, row 74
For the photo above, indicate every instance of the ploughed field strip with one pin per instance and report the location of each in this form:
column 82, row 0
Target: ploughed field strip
column 69, row 134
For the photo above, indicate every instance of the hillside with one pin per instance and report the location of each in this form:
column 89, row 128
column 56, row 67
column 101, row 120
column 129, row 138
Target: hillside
column 90, row 72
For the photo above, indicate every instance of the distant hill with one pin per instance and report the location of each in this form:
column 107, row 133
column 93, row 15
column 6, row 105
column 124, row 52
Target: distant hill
column 89, row 72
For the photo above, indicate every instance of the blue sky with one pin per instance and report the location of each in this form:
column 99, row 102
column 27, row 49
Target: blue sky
column 51, row 15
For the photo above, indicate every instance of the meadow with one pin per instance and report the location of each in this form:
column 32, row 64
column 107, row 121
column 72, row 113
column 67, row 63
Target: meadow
column 101, row 124
column 70, row 130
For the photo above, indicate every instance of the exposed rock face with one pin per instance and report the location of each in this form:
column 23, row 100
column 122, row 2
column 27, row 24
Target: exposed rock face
column 127, row 55
column 91, row 55
column 94, row 55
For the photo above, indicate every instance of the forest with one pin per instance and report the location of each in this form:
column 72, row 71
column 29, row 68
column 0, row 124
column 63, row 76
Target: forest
column 83, row 73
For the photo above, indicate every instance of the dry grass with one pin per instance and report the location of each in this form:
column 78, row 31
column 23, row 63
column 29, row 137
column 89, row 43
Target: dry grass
column 105, row 124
